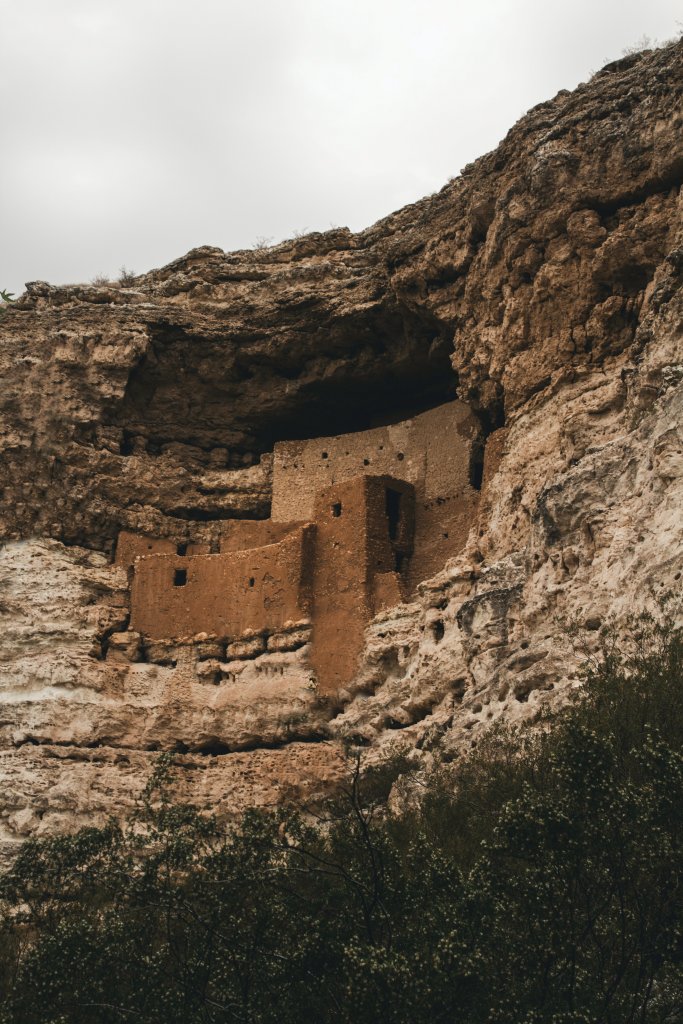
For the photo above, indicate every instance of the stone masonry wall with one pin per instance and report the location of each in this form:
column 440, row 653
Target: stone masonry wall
column 363, row 528
column 223, row 594
column 130, row 546
column 434, row 451
column 353, row 544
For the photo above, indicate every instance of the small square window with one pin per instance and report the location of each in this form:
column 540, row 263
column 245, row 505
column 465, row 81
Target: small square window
column 180, row 577
column 337, row 509
column 181, row 549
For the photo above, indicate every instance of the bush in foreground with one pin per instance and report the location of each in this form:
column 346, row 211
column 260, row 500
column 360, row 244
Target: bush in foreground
column 539, row 881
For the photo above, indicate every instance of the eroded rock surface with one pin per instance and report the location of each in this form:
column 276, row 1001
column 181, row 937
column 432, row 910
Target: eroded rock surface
column 541, row 286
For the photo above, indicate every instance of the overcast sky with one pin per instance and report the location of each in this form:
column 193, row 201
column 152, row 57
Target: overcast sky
column 134, row 130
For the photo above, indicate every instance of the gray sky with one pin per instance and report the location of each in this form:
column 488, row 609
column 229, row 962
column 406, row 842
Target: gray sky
column 133, row 130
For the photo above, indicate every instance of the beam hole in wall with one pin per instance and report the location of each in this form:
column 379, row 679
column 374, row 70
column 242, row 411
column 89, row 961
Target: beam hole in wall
column 252, row 581
column 324, row 455
column 179, row 577
column 336, row 509
column 181, row 549
column 366, row 462
column 400, row 456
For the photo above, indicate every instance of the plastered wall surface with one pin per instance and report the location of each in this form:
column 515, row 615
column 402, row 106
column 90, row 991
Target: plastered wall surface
column 238, row 535
column 431, row 451
column 130, row 546
column 386, row 592
column 223, row 594
column 340, row 598
column 441, row 529
column 241, row 534
column 363, row 530
column 353, row 545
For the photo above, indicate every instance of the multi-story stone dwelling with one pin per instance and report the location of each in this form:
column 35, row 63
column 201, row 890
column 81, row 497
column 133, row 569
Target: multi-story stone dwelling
column 357, row 521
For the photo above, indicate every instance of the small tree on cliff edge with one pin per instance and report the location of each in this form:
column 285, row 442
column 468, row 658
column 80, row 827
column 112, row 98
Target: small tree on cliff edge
column 5, row 297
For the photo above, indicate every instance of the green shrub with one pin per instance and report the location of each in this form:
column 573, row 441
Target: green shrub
column 538, row 881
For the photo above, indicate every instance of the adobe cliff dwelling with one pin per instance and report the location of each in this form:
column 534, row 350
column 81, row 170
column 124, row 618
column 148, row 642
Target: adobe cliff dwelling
column 351, row 488
column 357, row 521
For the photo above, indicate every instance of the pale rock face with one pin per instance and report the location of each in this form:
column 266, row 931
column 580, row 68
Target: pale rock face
column 544, row 283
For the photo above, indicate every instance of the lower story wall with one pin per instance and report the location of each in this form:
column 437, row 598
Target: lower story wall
column 223, row 594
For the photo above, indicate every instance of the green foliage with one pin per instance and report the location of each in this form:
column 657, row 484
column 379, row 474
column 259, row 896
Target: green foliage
column 538, row 881
column 5, row 298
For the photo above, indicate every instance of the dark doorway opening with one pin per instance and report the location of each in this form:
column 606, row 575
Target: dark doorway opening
column 477, row 465
column 180, row 577
column 393, row 511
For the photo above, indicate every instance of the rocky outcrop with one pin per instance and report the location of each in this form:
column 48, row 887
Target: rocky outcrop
column 542, row 286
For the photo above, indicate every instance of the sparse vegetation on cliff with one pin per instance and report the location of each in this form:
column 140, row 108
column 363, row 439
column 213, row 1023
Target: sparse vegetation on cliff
column 538, row 881
column 126, row 277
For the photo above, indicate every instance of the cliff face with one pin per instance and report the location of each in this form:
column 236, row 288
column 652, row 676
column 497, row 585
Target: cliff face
column 542, row 286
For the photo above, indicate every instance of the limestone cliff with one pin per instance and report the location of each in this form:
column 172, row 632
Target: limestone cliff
column 541, row 287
